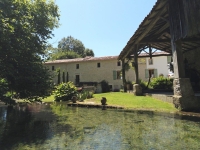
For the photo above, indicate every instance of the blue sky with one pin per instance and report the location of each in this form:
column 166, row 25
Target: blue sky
column 105, row 26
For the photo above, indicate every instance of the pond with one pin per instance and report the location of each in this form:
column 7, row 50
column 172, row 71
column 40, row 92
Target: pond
column 60, row 127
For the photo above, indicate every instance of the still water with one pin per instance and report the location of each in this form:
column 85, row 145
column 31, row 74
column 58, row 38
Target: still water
column 59, row 127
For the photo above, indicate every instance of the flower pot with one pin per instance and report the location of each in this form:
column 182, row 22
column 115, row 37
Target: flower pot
column 103, row 101
column 74, row 99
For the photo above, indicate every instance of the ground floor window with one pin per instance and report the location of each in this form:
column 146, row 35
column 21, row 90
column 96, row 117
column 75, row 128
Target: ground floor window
column 117, row 75
column 77, row 80
column 152, row 73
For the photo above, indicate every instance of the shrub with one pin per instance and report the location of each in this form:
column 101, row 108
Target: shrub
column 161, row 83
column 105, row 86
column 85, row 95
column 5, row 94
column 65, row 91
column 142, row 83
column 3, row 87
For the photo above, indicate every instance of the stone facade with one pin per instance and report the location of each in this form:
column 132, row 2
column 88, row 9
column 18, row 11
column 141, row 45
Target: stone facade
column 94, row 69
column 192, row 67
column 184, row 97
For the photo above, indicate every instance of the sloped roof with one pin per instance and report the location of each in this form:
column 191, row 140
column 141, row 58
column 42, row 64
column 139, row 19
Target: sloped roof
column 82, row 59
column 102, row 58
column 154, row 31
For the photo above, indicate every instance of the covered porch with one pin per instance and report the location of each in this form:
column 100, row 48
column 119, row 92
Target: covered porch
column 172, row 26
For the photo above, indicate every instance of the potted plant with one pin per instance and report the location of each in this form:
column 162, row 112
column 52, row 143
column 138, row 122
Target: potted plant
column 74, row 98
column 103, row 101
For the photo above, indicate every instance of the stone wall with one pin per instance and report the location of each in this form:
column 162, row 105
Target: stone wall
column 89, row 72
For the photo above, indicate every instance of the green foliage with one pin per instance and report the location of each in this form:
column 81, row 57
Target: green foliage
column 71, row 44
column 142, row 83
column 88, row 52
column 68, row 48
column 161, row 83
column 85, row 95
column 5, row 95
column 65, row 91
column 25, row 27
column 3, row 87
column 33, row 82
column 105, row 86
column 64, row 55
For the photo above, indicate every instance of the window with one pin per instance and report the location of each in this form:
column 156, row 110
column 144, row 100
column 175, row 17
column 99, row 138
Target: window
column 77, row 66
column 150, row 73
column 117, row 75
column 52, row 68
column 110, row 87
column 77, row 80
column 118, row 63
column 98, row 65
column 169, row 59
column 150, row 61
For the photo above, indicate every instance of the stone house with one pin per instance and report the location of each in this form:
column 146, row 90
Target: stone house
column 90, row 71
column 157, row 66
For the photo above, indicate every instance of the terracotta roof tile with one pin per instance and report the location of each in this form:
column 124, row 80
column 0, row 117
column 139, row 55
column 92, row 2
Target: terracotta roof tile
column 89, row 58
column 82, row 59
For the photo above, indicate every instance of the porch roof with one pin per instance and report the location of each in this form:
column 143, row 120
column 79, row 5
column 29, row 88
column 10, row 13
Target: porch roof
column 168, row 21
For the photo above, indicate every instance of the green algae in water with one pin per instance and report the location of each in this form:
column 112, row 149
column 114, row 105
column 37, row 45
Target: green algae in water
column 57, row 126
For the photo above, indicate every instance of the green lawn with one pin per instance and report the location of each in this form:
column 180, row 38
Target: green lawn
column 129, row 101
column 49, row 99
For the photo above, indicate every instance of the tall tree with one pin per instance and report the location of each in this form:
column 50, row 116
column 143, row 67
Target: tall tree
column 88, row 52
column 25, row 27
column 69, row 47
column 71, row 44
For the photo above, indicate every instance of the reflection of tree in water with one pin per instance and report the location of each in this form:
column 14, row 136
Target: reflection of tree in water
column 97, row 129
column 62, row 127
column 28, row 125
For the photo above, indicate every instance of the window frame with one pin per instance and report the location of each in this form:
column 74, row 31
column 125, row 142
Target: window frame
column 119, row 63
column 150, row 61
column 77, row 66
column 98, row 65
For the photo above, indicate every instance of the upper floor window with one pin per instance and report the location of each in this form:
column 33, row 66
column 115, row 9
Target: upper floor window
column 77, row 66
column 52, row 68
column 98, row 65
column 150, row 61
column 118, row 63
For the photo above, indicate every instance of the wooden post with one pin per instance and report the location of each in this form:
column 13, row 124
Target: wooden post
column 184, row 97
column 136, row 66
column 124, row 75
column 179, row 70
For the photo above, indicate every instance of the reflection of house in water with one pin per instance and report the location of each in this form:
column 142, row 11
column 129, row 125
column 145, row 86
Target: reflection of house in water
column 38, row 111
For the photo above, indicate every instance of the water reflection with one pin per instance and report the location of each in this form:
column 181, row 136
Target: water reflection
column 57, row 126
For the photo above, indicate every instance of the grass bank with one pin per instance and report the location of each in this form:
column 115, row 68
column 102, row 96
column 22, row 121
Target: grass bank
column 129, row 101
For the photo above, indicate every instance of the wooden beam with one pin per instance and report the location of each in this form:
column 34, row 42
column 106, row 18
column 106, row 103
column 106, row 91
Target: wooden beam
column 151, row 24
column 136, row 65
column 156, row 41
column 179, row 70
column 168, row 40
